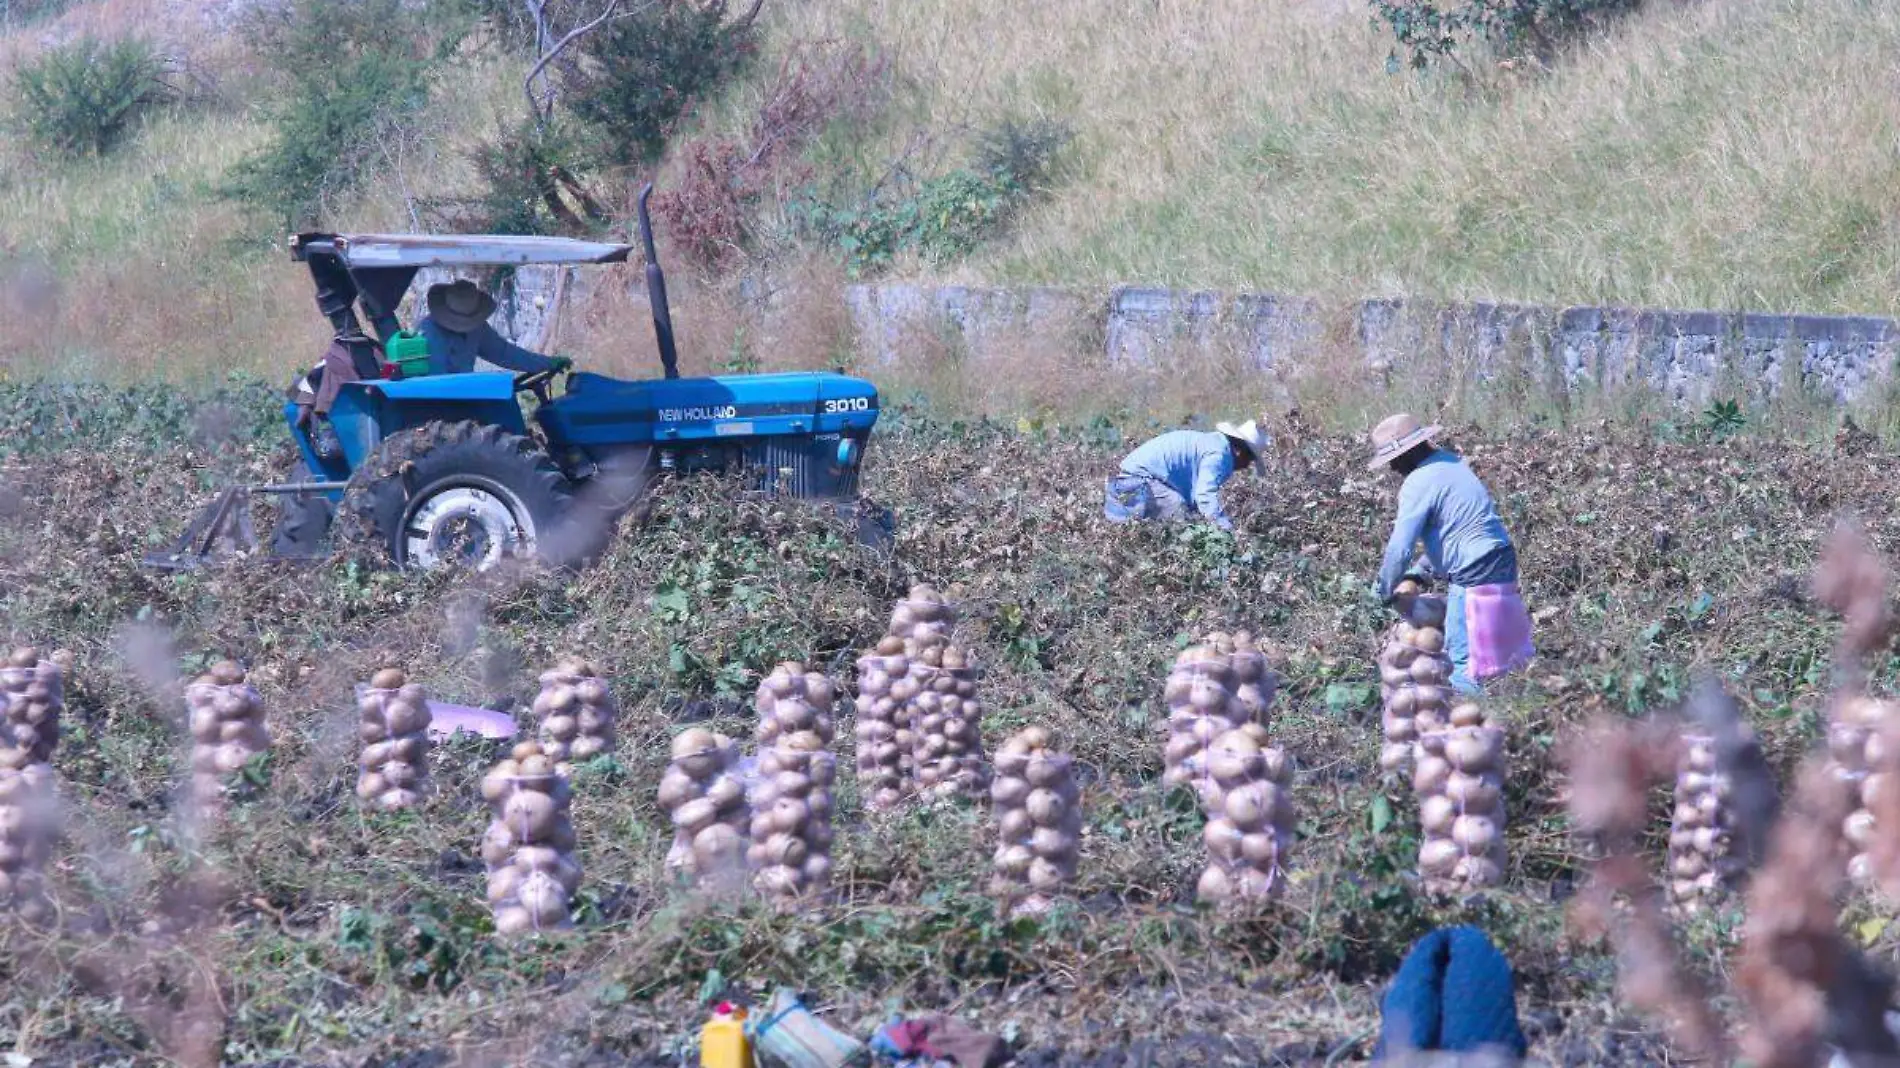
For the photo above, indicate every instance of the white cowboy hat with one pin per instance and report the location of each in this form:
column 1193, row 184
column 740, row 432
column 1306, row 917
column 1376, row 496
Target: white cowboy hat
column 460, row 305
column 1397, row 435
column 1248, row 434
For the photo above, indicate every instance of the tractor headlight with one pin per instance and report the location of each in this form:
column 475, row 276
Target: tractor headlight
column 848, row 452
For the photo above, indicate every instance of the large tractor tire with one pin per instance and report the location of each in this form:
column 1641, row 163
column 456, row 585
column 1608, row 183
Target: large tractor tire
column 458, row 495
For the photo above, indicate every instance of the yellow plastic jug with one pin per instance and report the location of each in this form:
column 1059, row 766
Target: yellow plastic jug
column 722, row 1041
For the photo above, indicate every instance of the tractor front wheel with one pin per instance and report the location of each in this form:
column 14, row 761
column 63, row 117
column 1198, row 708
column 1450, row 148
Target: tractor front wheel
column 458, row 495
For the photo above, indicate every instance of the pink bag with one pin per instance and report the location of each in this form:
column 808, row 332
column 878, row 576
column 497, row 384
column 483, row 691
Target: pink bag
column 1497, row 630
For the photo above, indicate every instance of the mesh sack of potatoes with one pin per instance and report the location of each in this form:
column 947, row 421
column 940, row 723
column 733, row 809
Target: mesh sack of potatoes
column 1700, row 864
column 1856, row 746
column 227, row 727
column 394, row 727
column 1038, row 812
column 791, row 799
column 29, row 824
column 884, row 693
column 923, row 615
column 1201, row 707
column 1459, row 779
column 1249, row 817
column 792, row 700
column 945, row 721
column 705, row 798
column 576, row 709
column 1255, row 684
column 528, row 848
column 1414, row 676
column 34, row 689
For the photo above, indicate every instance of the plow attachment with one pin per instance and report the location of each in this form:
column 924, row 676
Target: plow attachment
column 224, row 527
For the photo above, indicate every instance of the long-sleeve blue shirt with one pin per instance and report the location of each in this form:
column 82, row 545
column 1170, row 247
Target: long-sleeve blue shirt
column 1443, row 504
column 1191, row 463
column 453, row 353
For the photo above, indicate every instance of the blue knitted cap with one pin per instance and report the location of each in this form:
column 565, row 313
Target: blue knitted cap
column 1453, row 992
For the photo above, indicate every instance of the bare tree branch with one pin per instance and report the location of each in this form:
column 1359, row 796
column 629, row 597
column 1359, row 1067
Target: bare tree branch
column 538, row 108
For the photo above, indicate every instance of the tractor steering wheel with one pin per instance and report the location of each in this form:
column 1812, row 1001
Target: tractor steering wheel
column 536, row 382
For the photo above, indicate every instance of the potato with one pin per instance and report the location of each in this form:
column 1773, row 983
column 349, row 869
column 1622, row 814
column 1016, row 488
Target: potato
column 1478, row 870
column 1046, row 876
column 1222, row 839
column 1438, row 856
column 1260, row 849
column 1477, row 834
column 1045, row 807
column 388, row 678
column 1430, row 774
column 529, row 813
column 1436, row 814
column 1214, row 885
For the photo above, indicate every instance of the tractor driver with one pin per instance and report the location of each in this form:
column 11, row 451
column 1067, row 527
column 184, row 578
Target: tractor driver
column 457, row 331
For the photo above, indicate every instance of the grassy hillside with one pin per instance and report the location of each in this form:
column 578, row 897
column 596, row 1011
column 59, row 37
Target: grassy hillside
column 1742, row 154
column 1736, row 154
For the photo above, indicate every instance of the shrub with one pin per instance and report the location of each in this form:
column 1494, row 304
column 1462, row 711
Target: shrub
column 633, row 78
column 354, row 71
column 1430, row 30
column 531, row 184
column 707, row 212
column 82, row 97
column 21, row 12
column 946, row 217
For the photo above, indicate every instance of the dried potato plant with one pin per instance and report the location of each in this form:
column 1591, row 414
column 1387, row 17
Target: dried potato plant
column 1803, row 987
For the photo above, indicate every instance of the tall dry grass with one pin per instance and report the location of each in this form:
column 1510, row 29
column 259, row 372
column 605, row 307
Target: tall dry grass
column 1728, row 155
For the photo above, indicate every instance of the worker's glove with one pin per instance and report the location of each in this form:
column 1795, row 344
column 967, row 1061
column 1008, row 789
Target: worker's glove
column 562, row 364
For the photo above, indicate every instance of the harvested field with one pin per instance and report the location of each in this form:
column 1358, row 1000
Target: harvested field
column 303, row 929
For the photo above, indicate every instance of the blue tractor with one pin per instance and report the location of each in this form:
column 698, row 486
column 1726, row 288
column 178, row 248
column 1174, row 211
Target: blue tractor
column 466, row 470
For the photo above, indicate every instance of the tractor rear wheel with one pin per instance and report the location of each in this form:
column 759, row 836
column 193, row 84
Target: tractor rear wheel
column 458, row 495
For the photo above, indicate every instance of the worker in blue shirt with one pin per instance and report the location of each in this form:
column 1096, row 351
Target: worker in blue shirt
column 1443, row 506
column 1181, row 473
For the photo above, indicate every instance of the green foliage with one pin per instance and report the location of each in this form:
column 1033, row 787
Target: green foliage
column 355, row 72
column 634, row 78
column 81, row 98
column 1426, row 31
column 945, row 218
column 530, row 184
column 38, row 417
column 24, row 12
column 1723, row 418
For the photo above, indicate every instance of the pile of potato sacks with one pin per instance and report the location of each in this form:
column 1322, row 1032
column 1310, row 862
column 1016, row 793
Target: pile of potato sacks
column 884, row 739
column 577, row 714
column 1038, row 812
column 394, row 765
column 34, row 691
column 227, row 727
column 528, row 848
column 791, row 796
column 29, row 824
column 1856, row 746
column 1414, row 675
column 1459, row 780
column 918, row 717
column 705, row 797
column 945, row 723
column 1249, row 817
column 1700, row 865
column 1201, row 694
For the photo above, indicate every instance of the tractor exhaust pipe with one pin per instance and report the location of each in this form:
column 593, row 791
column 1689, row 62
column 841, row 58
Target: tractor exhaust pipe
column 656, row 292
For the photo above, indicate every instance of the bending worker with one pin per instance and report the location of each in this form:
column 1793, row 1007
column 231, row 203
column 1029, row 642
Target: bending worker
column 1442, row 503
column 1181, row 472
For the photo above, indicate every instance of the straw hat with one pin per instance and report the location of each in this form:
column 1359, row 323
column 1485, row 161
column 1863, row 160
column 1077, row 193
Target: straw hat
column 1397, row 435
column 1248, row 434
column 460, row 305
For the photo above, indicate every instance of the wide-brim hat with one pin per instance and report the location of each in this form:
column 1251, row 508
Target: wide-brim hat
column 460, row 305
column 1248, row 434
column 1397, row 435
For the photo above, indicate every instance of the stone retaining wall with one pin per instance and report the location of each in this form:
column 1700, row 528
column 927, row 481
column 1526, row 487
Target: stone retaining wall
column 1689, row 355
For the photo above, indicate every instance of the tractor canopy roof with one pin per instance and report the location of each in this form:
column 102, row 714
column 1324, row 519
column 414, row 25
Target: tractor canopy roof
column 379, row 267
column 360, row 251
